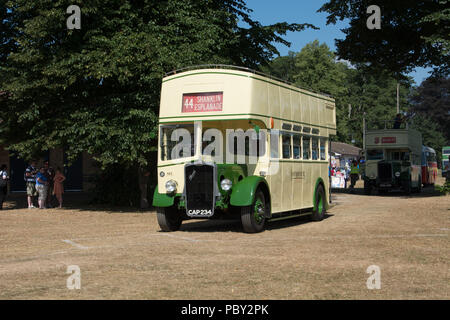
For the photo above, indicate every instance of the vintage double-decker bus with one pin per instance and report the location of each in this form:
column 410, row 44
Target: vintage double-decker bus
column 445, row 160
column 429, row 166
column 393, row 159
column 236, row 143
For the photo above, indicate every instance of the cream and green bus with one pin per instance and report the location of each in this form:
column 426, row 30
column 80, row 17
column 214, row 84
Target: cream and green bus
column 234, row 143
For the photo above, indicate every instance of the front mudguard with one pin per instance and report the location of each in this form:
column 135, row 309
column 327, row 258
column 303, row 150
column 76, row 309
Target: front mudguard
column 163, row 200
column 243, row 193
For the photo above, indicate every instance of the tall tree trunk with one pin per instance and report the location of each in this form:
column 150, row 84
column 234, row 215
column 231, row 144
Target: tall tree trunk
column 143, row 177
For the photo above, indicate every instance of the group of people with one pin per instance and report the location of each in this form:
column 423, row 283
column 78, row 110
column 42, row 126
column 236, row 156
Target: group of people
column 350, row 171
column 43, row 183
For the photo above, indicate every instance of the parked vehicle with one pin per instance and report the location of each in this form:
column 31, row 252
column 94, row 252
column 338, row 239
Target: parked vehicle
column 393, row 160
column 445, row 161
column 236, row 143
column 429, row 166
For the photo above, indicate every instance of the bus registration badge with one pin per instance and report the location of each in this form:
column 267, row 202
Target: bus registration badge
column 199, row 213
column 202, row 102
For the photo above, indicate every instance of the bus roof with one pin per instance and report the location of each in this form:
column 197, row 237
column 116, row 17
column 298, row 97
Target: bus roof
column 394, row 139
column 230, row 67
column 428, row 149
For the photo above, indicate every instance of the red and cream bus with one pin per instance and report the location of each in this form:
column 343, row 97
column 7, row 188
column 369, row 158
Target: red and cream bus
column 429, row 166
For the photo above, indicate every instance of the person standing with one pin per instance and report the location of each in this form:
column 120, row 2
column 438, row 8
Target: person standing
column 58, row 188
column 30, row 179
column 354, row 174
column 42, row 187
column 398, row 121
column 3, row 184
column 50, row 174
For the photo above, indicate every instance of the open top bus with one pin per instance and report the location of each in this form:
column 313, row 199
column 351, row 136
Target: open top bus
column 234, row 143
column 393, row 159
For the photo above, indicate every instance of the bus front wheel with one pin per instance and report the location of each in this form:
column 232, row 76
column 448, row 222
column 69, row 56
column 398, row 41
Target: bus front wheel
column 367, row 187
column 169, row 219
column 319, row 206
column 418, row 189
column 253, row 217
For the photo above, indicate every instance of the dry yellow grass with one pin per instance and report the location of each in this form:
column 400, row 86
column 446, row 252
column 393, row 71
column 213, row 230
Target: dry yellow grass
column 122, row 255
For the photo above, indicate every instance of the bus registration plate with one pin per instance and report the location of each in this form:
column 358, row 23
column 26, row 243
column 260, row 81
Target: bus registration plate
column 199, row 213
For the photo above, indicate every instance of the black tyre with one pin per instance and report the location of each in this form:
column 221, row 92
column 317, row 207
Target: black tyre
column 407, row 186
column 253, row 217
column 169, row 219
column 419, row 186
column 320, row 201
column 367, row 188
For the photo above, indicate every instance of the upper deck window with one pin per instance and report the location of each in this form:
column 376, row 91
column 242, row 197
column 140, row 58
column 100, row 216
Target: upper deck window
column 375, row 154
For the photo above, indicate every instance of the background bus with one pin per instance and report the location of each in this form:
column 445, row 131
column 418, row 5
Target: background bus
column 445, row 161
column 429, row 166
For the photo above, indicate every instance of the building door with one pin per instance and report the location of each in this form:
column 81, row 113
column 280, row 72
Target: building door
column 74, row 174
column 17, row 171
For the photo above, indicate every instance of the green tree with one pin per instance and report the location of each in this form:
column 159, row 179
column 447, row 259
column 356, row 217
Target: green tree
column 318, row 70
column 282, row 67
column 412, row 34
column 432, row 100
column 432, row 135
column 356, row 89
column 97, row 89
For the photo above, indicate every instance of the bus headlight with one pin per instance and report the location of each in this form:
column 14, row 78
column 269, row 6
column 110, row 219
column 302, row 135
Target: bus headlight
column 171, row 186
column 226, row 184
column 397, row 174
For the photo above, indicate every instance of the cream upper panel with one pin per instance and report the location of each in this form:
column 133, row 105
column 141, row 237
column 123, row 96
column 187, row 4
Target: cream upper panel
column 236, row 89
column 246, row 93
column 395, row 138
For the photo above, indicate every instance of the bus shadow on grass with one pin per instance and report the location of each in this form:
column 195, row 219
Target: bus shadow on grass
column 427, row 192
column 236, row 226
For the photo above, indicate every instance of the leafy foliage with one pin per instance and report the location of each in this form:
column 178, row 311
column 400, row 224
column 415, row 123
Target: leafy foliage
column 412, row 34
column 316, row 67
column 97, row 89
column 432, row 100
column 444, row 189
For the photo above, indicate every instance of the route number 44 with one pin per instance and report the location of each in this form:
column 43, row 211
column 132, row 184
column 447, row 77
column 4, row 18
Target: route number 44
column 189, row 103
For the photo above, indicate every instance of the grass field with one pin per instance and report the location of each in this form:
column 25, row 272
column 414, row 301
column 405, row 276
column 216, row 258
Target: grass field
column 123, row 255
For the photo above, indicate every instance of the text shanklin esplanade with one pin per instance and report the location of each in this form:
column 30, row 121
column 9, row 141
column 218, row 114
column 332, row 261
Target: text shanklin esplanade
column 203, row 102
